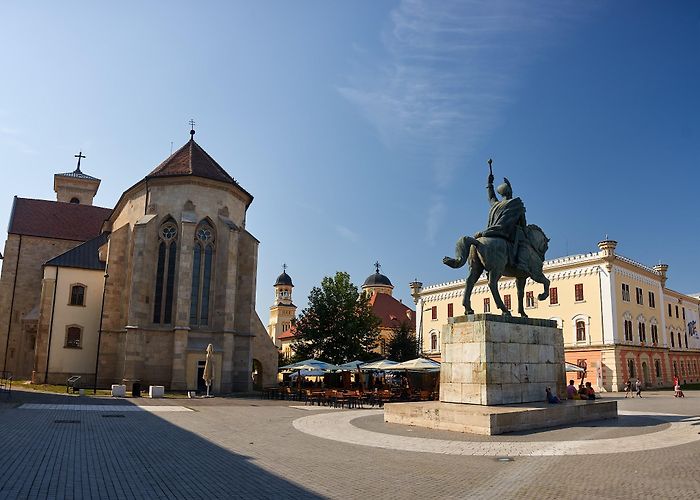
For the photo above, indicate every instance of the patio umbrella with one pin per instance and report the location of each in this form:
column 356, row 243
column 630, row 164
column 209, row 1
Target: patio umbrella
column 310, row 364
column 308, row 373
column 350, row 366
column 418, row 365
column 382, row 364
column 570, row 367
column 208, row 374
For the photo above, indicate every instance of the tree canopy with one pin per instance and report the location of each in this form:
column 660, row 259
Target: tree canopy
column 402, row 344
column 338, row 325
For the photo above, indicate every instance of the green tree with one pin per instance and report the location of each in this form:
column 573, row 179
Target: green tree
column 402, row 344
column 338, row 325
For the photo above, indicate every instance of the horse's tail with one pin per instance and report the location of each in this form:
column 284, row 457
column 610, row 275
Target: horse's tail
column 464, row 244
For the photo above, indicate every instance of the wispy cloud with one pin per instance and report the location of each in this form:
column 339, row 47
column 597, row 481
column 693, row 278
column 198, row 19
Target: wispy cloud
column 12, row 137
column 448, row 70
column 347, row 233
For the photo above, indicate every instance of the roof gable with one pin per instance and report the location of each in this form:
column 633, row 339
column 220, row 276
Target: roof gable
column 56, row 219
column 191, row 159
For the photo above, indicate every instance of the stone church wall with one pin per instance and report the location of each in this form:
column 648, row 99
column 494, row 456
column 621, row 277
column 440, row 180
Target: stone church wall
column 27, row 291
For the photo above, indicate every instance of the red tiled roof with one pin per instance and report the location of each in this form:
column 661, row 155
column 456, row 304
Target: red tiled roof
column 391, row 311
column 56, row 219
column 289, row 334
column 191, row 159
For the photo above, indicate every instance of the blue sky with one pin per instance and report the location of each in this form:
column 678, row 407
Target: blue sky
column 363, row 128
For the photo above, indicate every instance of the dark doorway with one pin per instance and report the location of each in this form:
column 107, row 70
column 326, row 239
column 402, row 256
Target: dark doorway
column 201, row 385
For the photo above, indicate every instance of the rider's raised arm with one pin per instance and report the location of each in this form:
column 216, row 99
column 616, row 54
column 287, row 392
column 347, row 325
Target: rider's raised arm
column 490, row 191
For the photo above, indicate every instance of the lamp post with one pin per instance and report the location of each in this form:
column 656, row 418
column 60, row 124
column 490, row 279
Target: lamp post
column 99, row 332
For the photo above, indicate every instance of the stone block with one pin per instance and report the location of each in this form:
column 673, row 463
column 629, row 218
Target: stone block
column 118, row 391
column 156, row 391
column 501, row 356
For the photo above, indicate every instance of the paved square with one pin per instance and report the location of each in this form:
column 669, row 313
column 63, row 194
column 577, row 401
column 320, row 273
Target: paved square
column 56, row 446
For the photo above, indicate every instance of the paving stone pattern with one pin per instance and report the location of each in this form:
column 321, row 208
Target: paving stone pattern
column 248, row 448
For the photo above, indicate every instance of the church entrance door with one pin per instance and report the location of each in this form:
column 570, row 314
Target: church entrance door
column 201, row 385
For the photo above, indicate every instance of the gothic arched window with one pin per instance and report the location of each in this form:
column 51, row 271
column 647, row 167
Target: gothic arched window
column 202, row 263
column 165, row 273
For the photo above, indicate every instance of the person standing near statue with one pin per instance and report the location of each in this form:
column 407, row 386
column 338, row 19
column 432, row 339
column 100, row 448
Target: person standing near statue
column 506, row 219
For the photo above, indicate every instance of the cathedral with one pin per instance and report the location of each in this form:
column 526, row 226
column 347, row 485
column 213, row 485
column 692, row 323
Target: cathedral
column 135, row 294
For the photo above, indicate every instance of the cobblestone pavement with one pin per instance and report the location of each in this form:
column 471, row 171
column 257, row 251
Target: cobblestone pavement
column 249, row 448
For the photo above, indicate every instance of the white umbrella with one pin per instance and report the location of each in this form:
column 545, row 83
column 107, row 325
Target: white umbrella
column 310, row 364
column 570, row 367
column 418, row 364
column 350, row 366
column 308, row 373
column 208, row 374
column 382, row 364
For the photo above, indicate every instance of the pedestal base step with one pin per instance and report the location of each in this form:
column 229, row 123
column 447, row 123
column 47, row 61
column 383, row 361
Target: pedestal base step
column 491, row 420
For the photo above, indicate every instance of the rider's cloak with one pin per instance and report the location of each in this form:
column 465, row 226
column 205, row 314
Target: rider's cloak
column 504, row 217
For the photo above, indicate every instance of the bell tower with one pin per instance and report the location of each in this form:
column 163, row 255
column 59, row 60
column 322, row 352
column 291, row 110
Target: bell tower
column 283, row 309
column 75, row 186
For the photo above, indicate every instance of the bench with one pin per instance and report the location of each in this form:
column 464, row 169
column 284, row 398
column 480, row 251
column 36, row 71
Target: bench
column 72, row 383
column 6, row 383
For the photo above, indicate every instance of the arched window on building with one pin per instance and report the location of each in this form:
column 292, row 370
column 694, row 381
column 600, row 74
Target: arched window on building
column 675, row 369
column 642, row 328
column 434, row 345
column 673, row 340
column 77, row 295
column 628, row 327
column 581, row 324
column 630, row 368
column 654, row 331
column 686, row 340
column 74, row 337
column 202, row 265
column 657, row 369
column 679, row 340
column 682, row 368
column 165, row 273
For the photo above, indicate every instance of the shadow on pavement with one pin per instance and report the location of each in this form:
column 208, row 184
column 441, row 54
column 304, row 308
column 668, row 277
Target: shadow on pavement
column 108, row 454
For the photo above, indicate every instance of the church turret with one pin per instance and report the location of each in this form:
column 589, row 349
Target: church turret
column 377, row 282
column 283, row 309
column 75, row 186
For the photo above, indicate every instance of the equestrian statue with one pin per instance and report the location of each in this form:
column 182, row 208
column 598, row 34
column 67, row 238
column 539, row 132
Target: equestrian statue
column 507, row 247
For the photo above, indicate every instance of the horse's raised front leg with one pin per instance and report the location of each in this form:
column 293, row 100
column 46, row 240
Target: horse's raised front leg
column 539, row 277
column 520, row 285
column 493, row 285
column 475, row 270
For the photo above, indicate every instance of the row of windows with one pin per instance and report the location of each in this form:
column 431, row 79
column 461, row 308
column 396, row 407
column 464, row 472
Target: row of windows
column 202, row 270
column 639, row 295
column 529, row 301
column 670, row 309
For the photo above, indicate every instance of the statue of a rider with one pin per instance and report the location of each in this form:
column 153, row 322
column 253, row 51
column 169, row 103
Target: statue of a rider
column 507, row 221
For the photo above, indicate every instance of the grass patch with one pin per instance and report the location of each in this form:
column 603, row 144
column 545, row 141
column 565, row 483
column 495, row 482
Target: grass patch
column 61, row 389
column 58, row 389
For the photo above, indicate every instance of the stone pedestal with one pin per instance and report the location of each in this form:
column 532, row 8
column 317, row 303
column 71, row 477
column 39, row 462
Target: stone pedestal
column 493, row 379
column 492, row 360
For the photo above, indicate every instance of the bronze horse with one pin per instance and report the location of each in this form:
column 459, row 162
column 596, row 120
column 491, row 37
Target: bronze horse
column 490, row 254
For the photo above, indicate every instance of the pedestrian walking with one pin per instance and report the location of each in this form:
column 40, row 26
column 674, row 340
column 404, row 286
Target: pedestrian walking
column 628, row 389
column 638, row 386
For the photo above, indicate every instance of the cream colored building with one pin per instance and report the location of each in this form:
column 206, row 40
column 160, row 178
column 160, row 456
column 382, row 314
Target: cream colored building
column 617, row 316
